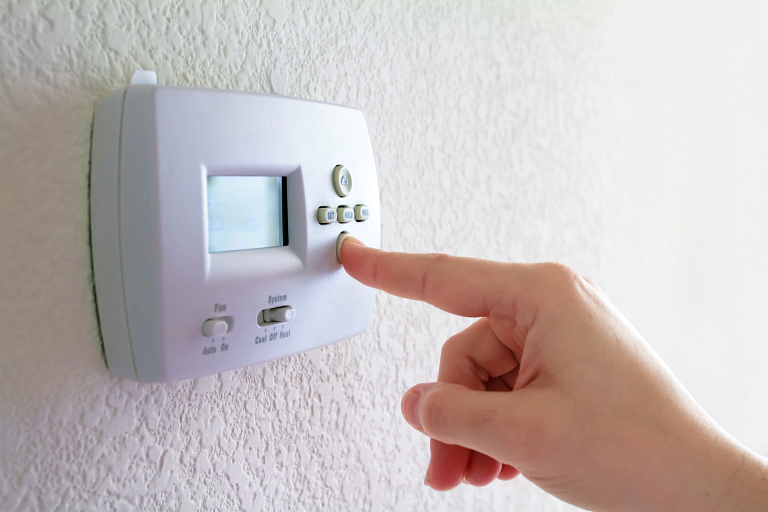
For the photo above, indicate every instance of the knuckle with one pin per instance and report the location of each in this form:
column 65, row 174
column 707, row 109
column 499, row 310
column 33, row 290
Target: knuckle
column 450, row 347
column 561, row 276
column 593, row 285
column 458, row 367
column 558, row 270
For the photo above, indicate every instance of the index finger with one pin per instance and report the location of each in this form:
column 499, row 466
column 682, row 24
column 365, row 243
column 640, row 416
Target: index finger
column 462, row 286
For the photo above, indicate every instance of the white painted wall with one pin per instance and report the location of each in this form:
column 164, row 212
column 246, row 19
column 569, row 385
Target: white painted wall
column 627, row 140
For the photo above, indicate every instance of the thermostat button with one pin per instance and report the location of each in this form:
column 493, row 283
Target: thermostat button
column 340, row 241
column 361, row 213
column 281, row 314
column 214, row 327
column 326, row 215
column 342, row 180
column 345, row 214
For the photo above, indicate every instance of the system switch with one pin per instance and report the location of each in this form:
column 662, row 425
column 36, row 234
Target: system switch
column 281, row 314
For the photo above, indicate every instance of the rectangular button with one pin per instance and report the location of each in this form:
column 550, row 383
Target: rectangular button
column 345, row 214
column 361, row 212
column 326, row 215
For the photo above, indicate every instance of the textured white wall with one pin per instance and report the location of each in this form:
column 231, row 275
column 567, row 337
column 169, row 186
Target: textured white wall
column 625, row 140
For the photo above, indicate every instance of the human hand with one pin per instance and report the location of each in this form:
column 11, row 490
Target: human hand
column 552, row 381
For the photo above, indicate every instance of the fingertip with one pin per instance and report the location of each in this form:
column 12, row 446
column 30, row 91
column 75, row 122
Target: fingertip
column 507, row 472
column 481, row 470
column 352, row 242
column 409, row 406
column 447, row 465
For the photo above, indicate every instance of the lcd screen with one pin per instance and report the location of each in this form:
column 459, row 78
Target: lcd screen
column 246, row 212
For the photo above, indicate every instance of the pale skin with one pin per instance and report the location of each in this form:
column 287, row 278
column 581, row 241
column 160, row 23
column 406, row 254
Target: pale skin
column 553, row 382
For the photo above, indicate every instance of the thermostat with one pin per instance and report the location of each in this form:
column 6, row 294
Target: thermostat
column 215, row 217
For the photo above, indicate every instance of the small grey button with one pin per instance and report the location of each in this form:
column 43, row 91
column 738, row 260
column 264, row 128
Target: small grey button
column 362, row 213
column 326, row 215
column 345, row 214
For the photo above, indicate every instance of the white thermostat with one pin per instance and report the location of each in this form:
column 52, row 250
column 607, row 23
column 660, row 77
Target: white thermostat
column 215, row 217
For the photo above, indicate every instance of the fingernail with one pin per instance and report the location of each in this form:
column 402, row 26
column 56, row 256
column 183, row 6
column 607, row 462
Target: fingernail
column 354, row 241
column 426, row 477
column 410, row 407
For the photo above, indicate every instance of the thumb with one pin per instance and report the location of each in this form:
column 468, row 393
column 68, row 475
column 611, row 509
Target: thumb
column 485, row 421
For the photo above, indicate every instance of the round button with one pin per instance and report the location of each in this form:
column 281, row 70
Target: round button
column 340, row 241
column 214, row 327
column 342, row 180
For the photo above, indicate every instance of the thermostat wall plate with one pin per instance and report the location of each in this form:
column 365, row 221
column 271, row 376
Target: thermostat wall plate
column 214, row 222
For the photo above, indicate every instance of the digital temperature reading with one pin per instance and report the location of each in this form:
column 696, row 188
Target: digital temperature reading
column 245, row 212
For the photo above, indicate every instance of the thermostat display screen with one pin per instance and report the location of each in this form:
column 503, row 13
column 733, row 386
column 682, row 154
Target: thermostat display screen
column 246, row 212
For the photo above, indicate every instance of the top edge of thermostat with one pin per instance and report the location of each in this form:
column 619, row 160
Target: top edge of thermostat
column 143, row 77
